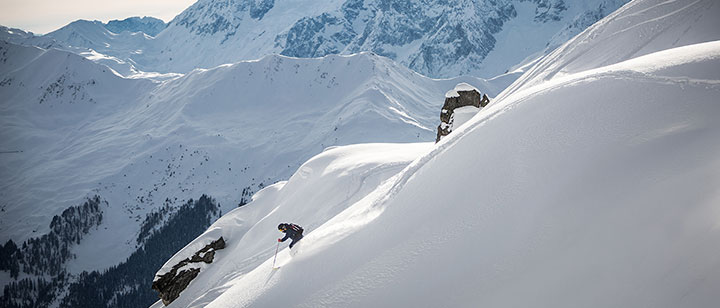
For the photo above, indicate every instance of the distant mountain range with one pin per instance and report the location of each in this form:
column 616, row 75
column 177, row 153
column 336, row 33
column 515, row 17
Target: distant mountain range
column 435, row 38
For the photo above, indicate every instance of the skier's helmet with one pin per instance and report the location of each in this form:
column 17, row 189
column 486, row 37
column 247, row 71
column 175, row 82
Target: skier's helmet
column 282, row 227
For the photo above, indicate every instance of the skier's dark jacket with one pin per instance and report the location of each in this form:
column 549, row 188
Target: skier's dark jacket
column 292, row 231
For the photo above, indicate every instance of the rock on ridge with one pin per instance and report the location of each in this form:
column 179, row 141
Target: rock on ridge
column 463, row 95
column 170, row 284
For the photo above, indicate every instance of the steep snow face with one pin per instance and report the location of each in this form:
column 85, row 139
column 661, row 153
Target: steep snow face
column 587, row 192
column 436, row 38
column 593, row 188
column 462, row 115
column 320, row 189
column 639, row 28
column 225, row 132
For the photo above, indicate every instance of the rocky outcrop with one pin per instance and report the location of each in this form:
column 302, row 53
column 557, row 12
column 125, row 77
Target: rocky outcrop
column 148, row 25
column 170, row 284
column 462, row 96
column 434, row 38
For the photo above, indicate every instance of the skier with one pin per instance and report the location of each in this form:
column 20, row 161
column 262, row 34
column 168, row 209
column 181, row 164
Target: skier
column 291, row 231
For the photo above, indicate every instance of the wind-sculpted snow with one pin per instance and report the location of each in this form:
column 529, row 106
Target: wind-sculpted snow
column 595, row 188
column 637, row 29
column 320, row 189
column 612, row 205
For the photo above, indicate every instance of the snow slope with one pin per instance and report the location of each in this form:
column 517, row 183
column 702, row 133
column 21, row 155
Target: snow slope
column 594, row 188
column 637, row 29
column 321, row 188
column 44, row 118
column 79, row 130
column 629, row 217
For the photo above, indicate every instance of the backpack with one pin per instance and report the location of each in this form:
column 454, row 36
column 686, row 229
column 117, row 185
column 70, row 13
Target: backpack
column 296, row 228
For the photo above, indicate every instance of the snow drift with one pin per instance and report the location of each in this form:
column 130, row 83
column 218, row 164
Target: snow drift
column 636, row 29
column 596, row 188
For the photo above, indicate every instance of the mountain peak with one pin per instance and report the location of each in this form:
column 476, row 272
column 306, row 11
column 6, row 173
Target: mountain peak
column 148, row 25
column 437, row 39
column 208, row 17
column 441, row 39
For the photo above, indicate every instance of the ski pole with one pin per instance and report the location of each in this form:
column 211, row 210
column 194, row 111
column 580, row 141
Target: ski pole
column 276, row 251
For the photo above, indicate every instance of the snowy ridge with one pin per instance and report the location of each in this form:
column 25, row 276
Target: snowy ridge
column 595, row 188
column 104, row 43
column 612, row 40
column 541, row 242
column 460, row 87
column 327, row 184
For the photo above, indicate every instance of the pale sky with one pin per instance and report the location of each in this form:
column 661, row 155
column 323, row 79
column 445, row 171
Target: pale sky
column 43, row 16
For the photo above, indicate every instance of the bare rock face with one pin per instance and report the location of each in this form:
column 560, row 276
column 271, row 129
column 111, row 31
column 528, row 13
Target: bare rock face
column 462, row 96
column 170, row 284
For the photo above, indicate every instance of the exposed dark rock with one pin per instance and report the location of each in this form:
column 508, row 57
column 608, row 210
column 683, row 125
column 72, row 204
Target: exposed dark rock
column 148, row 25
column 258, row 9
column 176, row 284
column 170, row 284
column 463, row 95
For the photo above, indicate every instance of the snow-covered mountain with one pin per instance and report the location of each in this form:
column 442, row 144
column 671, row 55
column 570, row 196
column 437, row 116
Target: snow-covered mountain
column 144, row 147
column 665, row 25
column 599, row 162
column 97, row 41
column 592, row 181
column 436, row 38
